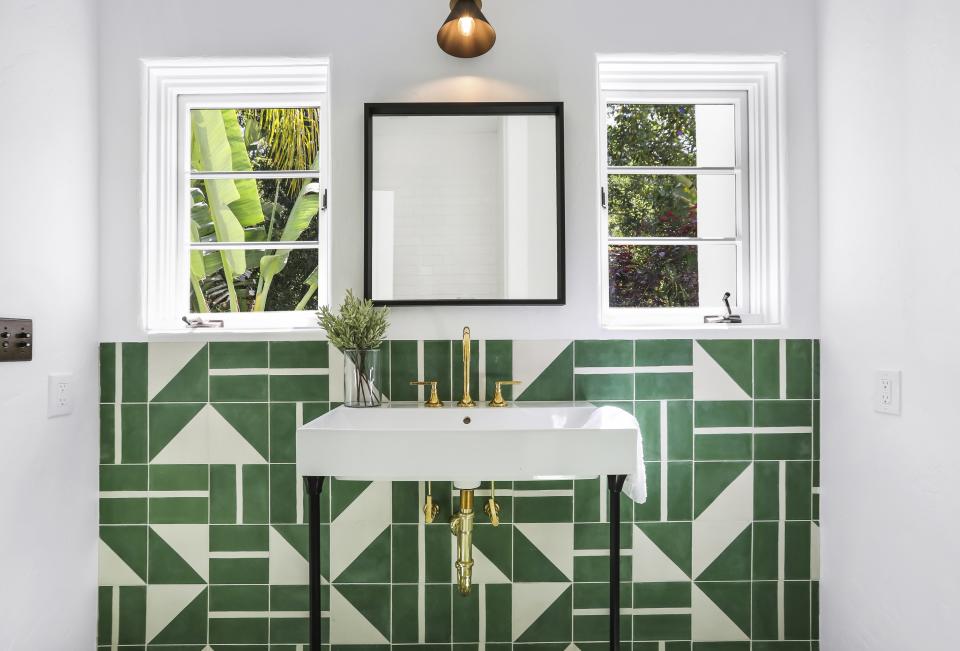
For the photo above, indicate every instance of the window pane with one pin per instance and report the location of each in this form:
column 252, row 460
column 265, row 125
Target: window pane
column 271, row 280
column 652, row 206
column 244, row 140
column 671, row 135
column 681, row 205
column 255, row 210
column 672, row 276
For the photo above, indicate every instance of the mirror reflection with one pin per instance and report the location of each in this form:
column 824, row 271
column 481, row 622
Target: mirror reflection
column 463, row 208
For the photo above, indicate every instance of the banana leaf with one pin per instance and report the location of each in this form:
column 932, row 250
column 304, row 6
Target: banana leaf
column 304, row 210
column 312, row 281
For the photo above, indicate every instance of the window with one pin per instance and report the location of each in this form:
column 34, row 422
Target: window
column 689, row 204
column 236, row 195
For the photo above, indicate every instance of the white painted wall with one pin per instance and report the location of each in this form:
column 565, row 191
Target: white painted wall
column 48, row 271
column 384, row 50
column 890, row 281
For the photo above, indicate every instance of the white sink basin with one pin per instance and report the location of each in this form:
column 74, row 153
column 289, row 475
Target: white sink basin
column 406, row 441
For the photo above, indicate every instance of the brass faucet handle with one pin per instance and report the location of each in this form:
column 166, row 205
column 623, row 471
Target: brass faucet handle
column 492, row 509
column 434, row 399
column 498, row 400
column 430, row 510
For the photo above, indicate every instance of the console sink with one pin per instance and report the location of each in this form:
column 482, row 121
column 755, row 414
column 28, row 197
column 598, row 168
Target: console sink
column 407, row 441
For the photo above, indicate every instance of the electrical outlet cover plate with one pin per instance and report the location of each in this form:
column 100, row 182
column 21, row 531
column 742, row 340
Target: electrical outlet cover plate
column 886, row 393
column 59, row 394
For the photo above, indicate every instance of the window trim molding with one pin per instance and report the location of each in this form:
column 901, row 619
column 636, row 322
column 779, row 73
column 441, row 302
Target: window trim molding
column 761, row 78
column 164, row 83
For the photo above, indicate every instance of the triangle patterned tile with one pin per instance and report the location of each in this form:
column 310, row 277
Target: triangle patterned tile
column 177, row 614
column 495, row 544
column 184, row 422
column 722, row 550
column 177, row 372
column 722, row 370
column 288, row 563
column 114, row 570
column 250, row 421
column 358, row 525
column 545, row 368
column 732, row 480
column 662, row 551
column 359, row 614
column 553, row 542
column 535, row 623
column 714, row 602
column 372, row 564
column 123, row 555
column 709, row 623
column 166, row 566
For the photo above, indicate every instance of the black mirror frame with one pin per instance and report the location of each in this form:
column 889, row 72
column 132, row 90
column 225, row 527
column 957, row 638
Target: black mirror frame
column 460, row 108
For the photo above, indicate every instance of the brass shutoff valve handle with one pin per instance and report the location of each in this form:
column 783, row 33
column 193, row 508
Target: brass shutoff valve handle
column 434, row 399
column 498, row 400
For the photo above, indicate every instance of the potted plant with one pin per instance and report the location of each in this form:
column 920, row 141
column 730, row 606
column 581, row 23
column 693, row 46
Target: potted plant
column 358, row 331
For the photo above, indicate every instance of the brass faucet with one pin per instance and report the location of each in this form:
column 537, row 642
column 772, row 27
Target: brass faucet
column 466, row 400
column 461, row 526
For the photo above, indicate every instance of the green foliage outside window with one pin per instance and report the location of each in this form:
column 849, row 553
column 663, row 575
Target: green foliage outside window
column 652, row 205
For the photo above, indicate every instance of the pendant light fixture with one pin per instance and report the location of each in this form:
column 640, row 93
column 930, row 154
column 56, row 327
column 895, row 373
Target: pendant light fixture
column 466, row 33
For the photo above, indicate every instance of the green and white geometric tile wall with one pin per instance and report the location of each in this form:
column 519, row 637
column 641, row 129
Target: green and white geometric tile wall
column 203, row 541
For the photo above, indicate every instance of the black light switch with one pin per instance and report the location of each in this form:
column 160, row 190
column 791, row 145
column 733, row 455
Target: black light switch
column 16, row 340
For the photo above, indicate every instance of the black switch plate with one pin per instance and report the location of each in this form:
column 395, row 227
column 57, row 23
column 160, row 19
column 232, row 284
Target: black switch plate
column 16, row 340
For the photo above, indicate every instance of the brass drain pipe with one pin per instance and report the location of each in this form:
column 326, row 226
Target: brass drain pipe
column 461, row 526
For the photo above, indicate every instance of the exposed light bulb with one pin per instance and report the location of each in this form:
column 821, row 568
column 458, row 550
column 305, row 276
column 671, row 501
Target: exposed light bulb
column 466, row 25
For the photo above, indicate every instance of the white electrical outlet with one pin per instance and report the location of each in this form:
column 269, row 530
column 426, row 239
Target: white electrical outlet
column 59, row 394
column 886, row 394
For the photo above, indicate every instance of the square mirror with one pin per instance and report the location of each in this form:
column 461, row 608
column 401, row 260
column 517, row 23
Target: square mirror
column 464, row 204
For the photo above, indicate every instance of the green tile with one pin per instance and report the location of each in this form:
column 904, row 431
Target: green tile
column 178, row 477
column 711, row 479
column 283, row 432
column 403, row 370
column 108, row 426
column 132, row 615
column 299, row 354
column 535, row 508
column 769, row 446
column 239, row 538
column 664, row 352
column 299, row 388
column 404, row 626
column 796, row 550
column 783, row 413
column 679, row 490
column 238, row 388
column 178, row 510
column 290, row 598
column 438, row 557
column 603, row 386
column 126, row 510
column 284, row 484
column 766, row 490
column 404, row 556
column 663, row 386
column 167, row 420
column 499, row 366
column 586, row 500
column 190, row 382
column 406, row 503
column 603, row 352
column 466, row 617
column 239, row 598
column 437, row 365
column 662, row 595
column 223, row 494
column 816, row 368
column 129, row 543
column 722, row 447
column 238, row 354
column 765, row 550
column 239, row 630
column 555, row 382
column 799, row 368
column 766, row 368
column 239, row 571
column 108, row 372
column 649, row 511
column 123, row 478
column 723, row 413
column 133, row 433
column 499, row 613
column 648, row 417
column 293, row 630
column 661, row 627
column 255, row 482
column 437, row 613
column 680, row 430
column 133, row 366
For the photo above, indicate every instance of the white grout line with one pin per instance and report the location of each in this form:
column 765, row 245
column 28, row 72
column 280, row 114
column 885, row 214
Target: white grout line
column 114, row 616
column 238, row 478
column 783, row 371
column 663, row 460
column 781, row 544
column 421, row 568
column 482, row 615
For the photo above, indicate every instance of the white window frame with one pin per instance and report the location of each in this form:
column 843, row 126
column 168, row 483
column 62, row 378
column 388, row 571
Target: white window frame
column 173, row 87
column 753, row 86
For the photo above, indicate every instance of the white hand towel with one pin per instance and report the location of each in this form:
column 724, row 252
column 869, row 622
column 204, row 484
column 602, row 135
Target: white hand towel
column 635, row 485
